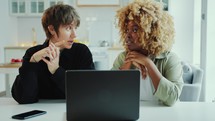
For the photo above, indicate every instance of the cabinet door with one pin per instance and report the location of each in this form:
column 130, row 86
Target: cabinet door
column 10, row 53
column 54, row 2
column 31, row 7
column 37, row 7
column 88, row 3
column 18, row 7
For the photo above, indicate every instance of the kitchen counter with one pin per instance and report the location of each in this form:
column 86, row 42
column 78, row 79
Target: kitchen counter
column 10, row 65
column 103, row 56
column 17, row 47
column 26, row 47
column 7, row 69
column 115, row 48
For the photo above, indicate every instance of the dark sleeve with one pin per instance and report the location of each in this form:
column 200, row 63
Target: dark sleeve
column 59, row 78
column 85, row 61
column 25, row 86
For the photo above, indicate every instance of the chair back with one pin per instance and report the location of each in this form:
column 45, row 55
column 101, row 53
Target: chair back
column 192, row 76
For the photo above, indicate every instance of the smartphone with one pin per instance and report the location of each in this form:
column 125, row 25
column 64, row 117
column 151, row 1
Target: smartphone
column 29, row 114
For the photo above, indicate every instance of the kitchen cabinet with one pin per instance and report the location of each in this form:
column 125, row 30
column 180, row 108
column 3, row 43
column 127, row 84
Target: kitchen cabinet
column 36, row 7
column 87, row 3
column 17, row 7
column 30, row 7
column 13, row 53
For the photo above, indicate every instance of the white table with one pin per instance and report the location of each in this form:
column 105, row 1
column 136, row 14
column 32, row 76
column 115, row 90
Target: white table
column 8, row 69
column 149, row 111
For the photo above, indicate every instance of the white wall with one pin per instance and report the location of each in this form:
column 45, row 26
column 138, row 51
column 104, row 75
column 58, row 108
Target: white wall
column 104, row 23
column 210, row 65
column 8, row 34
column 183, row 13
column 197, row 32
column 25, row 25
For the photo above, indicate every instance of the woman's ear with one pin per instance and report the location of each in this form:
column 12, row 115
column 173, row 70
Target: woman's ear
column 51, row 30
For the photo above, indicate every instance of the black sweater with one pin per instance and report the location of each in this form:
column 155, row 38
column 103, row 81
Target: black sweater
column 35, row 82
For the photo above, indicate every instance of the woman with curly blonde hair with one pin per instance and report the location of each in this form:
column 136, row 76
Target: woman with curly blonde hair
column 147, row 33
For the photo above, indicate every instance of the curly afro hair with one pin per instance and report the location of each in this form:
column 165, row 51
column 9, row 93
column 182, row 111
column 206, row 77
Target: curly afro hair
column 156, row 25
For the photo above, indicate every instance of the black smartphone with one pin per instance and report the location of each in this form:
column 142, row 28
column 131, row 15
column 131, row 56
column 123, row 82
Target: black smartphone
column 29, row 114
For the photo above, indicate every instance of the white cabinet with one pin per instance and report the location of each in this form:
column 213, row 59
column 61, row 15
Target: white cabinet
column 30, row 7
column 36, row 7
column 18, row 7
column 13, row 53
column 82, row 3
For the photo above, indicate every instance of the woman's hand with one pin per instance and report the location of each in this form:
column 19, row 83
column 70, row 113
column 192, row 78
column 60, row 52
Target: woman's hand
column 54, row 55
column 139, row 60
column 36, row 57
column 148, row 67
column 46, row 52
column 126, row 65
column 52, row 52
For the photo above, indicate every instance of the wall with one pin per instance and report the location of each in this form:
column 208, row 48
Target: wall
column 25, row 25
column 8, row 34
column 210, row 65
column 183, row 14
column 197, row 32
column 100, row 26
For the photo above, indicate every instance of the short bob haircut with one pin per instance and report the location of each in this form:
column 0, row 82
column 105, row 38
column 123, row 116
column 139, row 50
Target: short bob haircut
column 57, row 15
column 156, row 33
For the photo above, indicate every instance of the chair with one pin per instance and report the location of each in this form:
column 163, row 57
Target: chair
column 192, row 77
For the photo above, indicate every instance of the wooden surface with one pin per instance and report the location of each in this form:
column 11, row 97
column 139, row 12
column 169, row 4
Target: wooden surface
column 116, row 48
column 10, row 65
column 17, row 47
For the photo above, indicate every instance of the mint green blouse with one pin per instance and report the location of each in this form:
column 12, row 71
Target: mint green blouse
column 169, row 65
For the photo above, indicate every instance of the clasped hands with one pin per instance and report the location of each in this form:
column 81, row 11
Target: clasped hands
column 50, row 55
column 138, row 60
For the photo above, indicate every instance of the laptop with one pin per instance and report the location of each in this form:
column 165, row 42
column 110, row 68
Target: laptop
column 102, row 95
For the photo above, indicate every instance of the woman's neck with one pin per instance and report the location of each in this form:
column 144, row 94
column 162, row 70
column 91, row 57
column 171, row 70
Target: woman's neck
column 51, row 41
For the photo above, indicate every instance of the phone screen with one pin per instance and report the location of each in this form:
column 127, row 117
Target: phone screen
column 29, row 114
